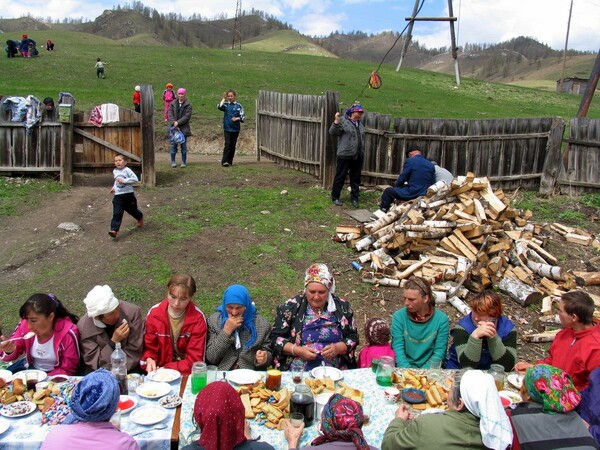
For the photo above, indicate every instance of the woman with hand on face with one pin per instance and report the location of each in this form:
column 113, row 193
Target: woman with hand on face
column 238, row 337
column 54, row 345
column 175, row 329
column 484, row 336
column 316, row 326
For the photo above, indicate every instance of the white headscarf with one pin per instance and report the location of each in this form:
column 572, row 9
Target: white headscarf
column 100, row 300
column 481, row 398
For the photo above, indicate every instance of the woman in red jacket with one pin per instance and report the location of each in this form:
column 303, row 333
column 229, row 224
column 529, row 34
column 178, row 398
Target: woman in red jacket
column 175, row 329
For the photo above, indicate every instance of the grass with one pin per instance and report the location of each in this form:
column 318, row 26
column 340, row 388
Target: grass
column 206, row 73
column 14, row 192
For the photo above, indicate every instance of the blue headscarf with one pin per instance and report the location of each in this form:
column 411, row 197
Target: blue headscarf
column 95, row 398
column 236, row 294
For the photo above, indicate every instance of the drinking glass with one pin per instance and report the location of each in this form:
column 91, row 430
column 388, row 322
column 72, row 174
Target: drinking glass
column 435, row 365
column 198, row 377
column 211, row 374
column 297, row 374
column 296, row 419
column 497, row 371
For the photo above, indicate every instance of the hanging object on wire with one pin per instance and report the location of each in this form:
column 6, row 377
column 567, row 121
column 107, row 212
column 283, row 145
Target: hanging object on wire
column 375, row 80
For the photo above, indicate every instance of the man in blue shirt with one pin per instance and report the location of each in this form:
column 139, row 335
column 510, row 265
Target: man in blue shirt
column 417, row 175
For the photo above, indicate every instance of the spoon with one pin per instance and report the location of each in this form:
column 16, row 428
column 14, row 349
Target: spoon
column 25, row 336
column 158, row 426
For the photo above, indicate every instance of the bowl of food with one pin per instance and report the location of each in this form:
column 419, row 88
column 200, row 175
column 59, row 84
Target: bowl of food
column 413, row 395
column 170, row 401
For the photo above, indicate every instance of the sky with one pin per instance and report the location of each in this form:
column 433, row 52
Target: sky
column 480, row 21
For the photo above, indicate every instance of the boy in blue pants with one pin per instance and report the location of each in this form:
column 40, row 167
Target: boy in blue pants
column 124, row 200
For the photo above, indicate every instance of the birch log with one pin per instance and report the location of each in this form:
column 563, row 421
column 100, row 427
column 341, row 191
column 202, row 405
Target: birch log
column 587, row 278
column 520, row 292
column 460, row 305
column 546, row 270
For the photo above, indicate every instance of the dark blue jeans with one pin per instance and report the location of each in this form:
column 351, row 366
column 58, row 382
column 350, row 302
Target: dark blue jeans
column 124, row 203
column 231, row 138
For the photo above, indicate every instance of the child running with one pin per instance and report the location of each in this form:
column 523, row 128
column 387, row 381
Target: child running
column 100, row 68
column 124, row 199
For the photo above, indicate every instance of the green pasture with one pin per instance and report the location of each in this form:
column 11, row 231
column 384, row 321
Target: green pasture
column 206, row 73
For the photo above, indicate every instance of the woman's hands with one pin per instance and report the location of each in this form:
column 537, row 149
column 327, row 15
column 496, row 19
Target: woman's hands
column 150, row 365
column 233, row 323
column 484, row 329
column 310, row 354
column 333, row 350
column 261, row 357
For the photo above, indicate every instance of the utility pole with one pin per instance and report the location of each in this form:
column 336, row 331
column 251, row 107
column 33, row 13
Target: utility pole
column 562, row 77
column 451, row 19
column 237, row 23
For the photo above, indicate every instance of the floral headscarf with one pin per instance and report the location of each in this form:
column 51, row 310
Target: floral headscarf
column 552, row 388
column 342, row 420
column 219, row 412
column 236, row 294
column 319, row 273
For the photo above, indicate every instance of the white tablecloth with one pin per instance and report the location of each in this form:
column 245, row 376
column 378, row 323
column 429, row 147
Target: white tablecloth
column 27, row 433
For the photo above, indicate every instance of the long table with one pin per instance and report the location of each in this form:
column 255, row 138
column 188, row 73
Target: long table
column 382, row 413
column 27, row 433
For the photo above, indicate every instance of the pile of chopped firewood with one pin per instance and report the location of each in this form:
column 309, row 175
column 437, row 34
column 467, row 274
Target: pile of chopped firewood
column 465, row 238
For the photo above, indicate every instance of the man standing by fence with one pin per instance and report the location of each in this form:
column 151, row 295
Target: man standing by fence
column 350, row 152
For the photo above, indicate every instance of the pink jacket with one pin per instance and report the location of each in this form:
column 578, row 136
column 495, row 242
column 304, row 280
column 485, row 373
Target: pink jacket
column 370, row 352
column 66, row 346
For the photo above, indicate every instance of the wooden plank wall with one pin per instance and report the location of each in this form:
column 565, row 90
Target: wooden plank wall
column 35, row 151
column 288, row 130
column 583, row 157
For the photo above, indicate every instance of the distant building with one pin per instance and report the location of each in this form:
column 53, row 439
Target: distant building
column 572, row 85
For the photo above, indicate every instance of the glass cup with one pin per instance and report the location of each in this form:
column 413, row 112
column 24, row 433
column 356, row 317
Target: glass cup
column 497, row 371
column 385, row 369
column 374, row 365
column 198, row 377
column 435, row 366
column 31, row 379
column 273, row 381
column 211, row 374
column 297, row 375
column 296, row 419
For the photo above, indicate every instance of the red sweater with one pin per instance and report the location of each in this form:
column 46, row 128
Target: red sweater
column 576, row 352
column 191, row 341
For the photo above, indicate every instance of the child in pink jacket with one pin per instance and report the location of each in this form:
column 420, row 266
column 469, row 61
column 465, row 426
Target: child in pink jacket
column 377, row 334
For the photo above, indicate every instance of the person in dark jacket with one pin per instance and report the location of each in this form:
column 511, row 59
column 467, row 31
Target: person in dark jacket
column 233, row 116
column 180, row 113
column 417, row 175
column 350, row 152
column 11, row 48
column 589, row 407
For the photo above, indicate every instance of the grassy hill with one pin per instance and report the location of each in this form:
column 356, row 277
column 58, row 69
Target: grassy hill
column 288, row 41
column 206, row 73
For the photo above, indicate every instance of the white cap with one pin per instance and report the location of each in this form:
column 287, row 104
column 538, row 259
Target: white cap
column 100, row 300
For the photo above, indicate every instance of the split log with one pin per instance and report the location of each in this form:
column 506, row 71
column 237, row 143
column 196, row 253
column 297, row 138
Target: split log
column 546, row 336
column 587, row 278
column 407, row 272
column 460, row 305
column 520, row 292
column 348, row 229
column 576, row 238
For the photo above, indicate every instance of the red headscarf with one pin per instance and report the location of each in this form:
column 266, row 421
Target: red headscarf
column 219, row 413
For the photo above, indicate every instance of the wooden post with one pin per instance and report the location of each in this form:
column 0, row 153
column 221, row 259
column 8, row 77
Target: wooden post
column 328, row 144
column 552, row 167
column 256, row 128
column 147, row 124
column 66, row 143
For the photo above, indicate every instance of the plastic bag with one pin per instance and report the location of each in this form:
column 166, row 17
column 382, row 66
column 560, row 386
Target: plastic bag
column 176, row 136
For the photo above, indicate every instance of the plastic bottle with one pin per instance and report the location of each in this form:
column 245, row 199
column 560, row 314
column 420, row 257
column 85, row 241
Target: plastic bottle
column 118, row 360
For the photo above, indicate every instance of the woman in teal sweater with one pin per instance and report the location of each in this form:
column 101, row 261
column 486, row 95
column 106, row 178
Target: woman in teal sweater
column 419, row 331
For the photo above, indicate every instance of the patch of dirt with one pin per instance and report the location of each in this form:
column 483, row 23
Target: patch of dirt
column 41, row 256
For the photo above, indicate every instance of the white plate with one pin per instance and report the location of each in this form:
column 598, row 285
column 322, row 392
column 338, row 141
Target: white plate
column 515, row 379
column 164, row 375
column 41, row 375
column 170, row 401
column 18, row 409
column 6, row 375
column 153, row 389
column 512, row 396
column 123, row 398
column 243, row 376
column 3, row 426
column 148, row 415
column 331, row 372
column 432, row 411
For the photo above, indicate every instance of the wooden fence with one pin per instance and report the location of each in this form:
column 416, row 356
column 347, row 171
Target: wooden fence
column 78, row 146
column 513, row 153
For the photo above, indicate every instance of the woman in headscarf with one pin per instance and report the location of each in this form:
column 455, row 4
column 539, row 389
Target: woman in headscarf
column 219, row 414
column 484, row 336
column 475, row 419
column 546, row 417
column 93, row 402
column 341, row 426
column 315, row 326
column 238, row 337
